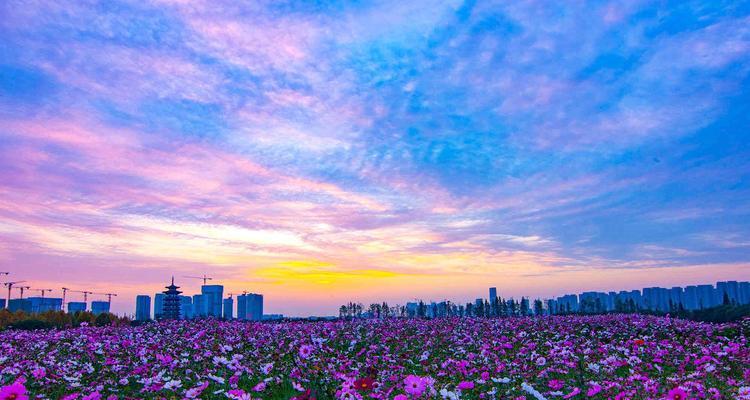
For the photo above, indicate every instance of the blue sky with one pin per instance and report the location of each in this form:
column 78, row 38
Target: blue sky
column 311, row 147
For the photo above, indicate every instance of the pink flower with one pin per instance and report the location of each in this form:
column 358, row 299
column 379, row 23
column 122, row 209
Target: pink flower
column 39, row 373
column 414, row 385
column 400, row 397
column 593, row 390
column 15, row 391
column 465, row 385
column 259, row 387
column 677, row 394
column 93, row 396
column 572, row 393
column 305, row 351
column 238, row 394
column 555, row 384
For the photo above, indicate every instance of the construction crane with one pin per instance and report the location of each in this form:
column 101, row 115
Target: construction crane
column 65, row 290
column 204, row 278
column 86, row 294
column 22, row 288
column 9, row 285
column 43, row 291
column 109, row 296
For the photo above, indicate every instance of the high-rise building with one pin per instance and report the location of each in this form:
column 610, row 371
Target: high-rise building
column 228, row 308
column 250, row 307
column 213, row 296
column 728, row 291
column 676, row 300
column 656, row 299
column 567, row 303
column 255, row 306
column 99, row 307
column 158, row 306
column 76, row 306
column 171, row 302
column 142, row 307
column 493, row 295
column 242, row 307
column 186, row 307
column 706, row 296
column 44, row 304
column 690, row 297
column 745, row 292
column 2, row 303
column 19, row 305
column 199, row 306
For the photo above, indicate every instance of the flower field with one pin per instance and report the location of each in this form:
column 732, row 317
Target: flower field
column 576, row 357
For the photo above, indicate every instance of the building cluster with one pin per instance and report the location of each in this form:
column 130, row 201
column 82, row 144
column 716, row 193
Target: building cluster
column 42, row 303
column 652, row 299
column 657, row 299
column 34, row 305
column 210, row 303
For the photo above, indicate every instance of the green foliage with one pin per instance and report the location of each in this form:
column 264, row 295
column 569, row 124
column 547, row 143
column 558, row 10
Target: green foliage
column 56, row 320
column 30, row 325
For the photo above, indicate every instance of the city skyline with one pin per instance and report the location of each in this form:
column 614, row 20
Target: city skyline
column 327, row 151
column 655, row 298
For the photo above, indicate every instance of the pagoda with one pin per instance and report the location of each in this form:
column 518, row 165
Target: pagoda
column 171, row 302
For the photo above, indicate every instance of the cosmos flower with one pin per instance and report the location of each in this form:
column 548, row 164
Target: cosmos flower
column 677, row 394
column 380, row 360
column 364, row 384
column 414, row 385
column 305, row 351
column 14, row 391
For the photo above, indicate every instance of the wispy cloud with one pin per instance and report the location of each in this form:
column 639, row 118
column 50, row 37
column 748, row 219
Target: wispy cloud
column 418, row 144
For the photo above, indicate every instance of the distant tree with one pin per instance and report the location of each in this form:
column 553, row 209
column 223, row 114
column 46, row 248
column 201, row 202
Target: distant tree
column 538, row 307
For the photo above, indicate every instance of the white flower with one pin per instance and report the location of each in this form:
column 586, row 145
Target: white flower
column 448, row 394
column 530, row 390
column 541, row 361
column 173, row 384
column 266, row 368
column 220, row 360
column 501, row 380
column 216, row 379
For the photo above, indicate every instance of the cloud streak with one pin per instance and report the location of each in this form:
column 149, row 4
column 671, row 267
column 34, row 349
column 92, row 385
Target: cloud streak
column 305, row 150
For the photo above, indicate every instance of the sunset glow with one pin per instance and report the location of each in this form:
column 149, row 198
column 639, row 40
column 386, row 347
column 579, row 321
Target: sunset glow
column 321, row 153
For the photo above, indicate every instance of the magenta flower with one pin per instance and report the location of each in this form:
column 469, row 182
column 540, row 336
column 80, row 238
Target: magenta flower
column 14, row 391
column 39, row 373
column 466, row 385
column 400, row 397
column 677, row 394
column 305, row 351
column 414, row 385
column 593, row 390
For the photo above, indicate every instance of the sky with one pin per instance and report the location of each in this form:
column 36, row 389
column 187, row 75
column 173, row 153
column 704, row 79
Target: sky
column 322, row 152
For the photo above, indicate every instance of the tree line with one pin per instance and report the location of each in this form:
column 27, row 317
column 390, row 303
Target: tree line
column 57, row 320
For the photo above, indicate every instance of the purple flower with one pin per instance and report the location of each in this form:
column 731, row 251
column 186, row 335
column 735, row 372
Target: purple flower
column 14, row 391
column 414, row 385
